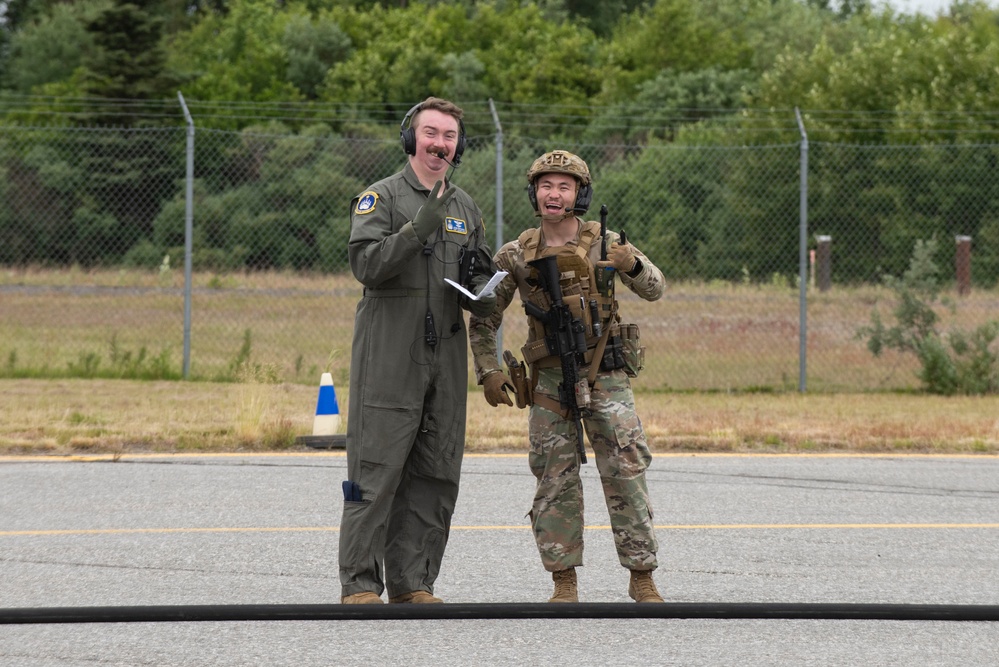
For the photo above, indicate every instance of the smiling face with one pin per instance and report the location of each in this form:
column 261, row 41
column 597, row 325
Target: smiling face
column 556, row 193
column 436, row 132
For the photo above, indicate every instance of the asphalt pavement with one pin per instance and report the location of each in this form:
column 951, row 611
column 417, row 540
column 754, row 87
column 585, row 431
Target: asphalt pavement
column 733, row 529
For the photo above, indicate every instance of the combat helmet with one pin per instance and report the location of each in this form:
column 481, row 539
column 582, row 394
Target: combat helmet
column 562, row 162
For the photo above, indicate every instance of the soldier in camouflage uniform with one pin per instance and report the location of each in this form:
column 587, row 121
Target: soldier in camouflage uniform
column 409, row 363
column 559, row 187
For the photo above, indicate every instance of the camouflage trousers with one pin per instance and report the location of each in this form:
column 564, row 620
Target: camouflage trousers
column 622, row 456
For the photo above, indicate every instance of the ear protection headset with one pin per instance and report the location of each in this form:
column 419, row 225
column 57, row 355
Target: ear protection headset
column 583, row 197
column 408, row 136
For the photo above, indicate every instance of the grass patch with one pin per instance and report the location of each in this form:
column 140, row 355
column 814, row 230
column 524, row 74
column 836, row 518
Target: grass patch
column 699, row 336
column 68, row 415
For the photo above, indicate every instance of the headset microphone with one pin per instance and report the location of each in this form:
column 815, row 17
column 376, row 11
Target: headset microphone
column 442, row 155
column 454, row 165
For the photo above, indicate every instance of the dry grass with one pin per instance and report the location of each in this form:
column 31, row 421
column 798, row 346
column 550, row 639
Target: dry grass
column 66, row 416
column 118, row 416
column 717, row 336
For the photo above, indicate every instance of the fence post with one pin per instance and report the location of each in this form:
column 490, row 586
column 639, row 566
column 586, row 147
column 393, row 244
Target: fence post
column 963, row 261
column 823, row 262
column 499, row 210
column 802, row 256
column 188, row 234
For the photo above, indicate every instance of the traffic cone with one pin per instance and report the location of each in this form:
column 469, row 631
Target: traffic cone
column 327, row 419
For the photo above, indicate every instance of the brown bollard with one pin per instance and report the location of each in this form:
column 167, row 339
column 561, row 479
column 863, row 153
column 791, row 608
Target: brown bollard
column 823, row 261
column 963, row 262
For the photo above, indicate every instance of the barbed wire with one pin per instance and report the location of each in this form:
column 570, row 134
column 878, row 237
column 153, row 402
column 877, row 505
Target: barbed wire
column 634, row 118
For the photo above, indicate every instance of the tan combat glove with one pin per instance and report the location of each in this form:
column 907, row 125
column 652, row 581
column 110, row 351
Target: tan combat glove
column 495, row 385
column 621, row 257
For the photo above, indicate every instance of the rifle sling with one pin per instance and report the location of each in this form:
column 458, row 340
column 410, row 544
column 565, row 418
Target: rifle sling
column 598, row 354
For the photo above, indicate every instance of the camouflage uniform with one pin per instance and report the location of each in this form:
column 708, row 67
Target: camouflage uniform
column 613, row 429
column 406, row 415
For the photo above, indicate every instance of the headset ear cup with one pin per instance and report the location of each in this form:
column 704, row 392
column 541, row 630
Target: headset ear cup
column 459, row 149
column 584, row 198
column 408, row 137
column 532, row 195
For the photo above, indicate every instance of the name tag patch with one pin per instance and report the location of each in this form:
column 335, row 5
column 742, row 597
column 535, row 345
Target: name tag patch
column 456, row 225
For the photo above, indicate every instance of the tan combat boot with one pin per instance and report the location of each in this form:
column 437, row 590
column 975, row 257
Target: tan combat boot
column 642, row 588
column 416, row 597
column 565, row 586
column 365, row 597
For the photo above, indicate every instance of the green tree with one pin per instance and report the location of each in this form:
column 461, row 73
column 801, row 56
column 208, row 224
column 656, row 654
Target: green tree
column 10, row 237
column 51, row 220
column 312, row 46
column 128, row 60
column 670, row 101
column 18, row 13
column 406, row 54
column 841, row 7
column 50, row 48
column 672, row 35
column 276, row 202
column 769, row 28
column 242, row 55
column 915, row 67
column 601, row 15
column 131, row 171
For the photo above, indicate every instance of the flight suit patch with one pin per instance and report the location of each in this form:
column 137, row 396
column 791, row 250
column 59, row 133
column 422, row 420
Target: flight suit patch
column 366, row 203
column 456, row 225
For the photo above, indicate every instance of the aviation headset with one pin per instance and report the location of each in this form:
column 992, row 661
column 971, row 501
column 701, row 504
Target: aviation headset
column 408, row 135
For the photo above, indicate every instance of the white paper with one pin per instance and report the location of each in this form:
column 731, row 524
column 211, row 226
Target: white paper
column 486, row 290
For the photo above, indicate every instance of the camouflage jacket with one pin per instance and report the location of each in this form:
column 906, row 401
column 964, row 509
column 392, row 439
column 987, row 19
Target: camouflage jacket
column 648, row 284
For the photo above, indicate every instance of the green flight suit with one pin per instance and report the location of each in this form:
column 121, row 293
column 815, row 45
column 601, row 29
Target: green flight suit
column 406, row 411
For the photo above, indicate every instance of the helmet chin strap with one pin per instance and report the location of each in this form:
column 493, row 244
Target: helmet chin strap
column 565, row 215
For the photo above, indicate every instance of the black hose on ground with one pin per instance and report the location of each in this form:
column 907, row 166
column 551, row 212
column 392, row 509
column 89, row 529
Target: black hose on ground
column 479, row 611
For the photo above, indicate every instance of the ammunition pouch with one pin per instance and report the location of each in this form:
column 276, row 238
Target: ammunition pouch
column 633, row 352
column 613, row 357
column 623, row 350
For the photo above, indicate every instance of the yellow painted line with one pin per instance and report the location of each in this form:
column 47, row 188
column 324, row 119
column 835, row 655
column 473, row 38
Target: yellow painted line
column 132, row 531
column 95, row 458
column 335, row 529
column 92, row 458
column 821, row 526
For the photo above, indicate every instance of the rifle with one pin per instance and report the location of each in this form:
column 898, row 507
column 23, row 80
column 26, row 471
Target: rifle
column 565, row 337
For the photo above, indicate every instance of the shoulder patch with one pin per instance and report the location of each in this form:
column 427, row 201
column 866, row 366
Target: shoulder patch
column 456, row 225
column 366, row 203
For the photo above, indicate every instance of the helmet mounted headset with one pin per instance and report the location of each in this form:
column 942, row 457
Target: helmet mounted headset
column 562, row 162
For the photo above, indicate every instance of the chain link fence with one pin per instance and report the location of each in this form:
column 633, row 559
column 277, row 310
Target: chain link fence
column 97, row 281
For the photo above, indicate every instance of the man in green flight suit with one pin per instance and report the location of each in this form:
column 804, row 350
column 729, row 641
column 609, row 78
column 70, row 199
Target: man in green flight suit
column 409, row 363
